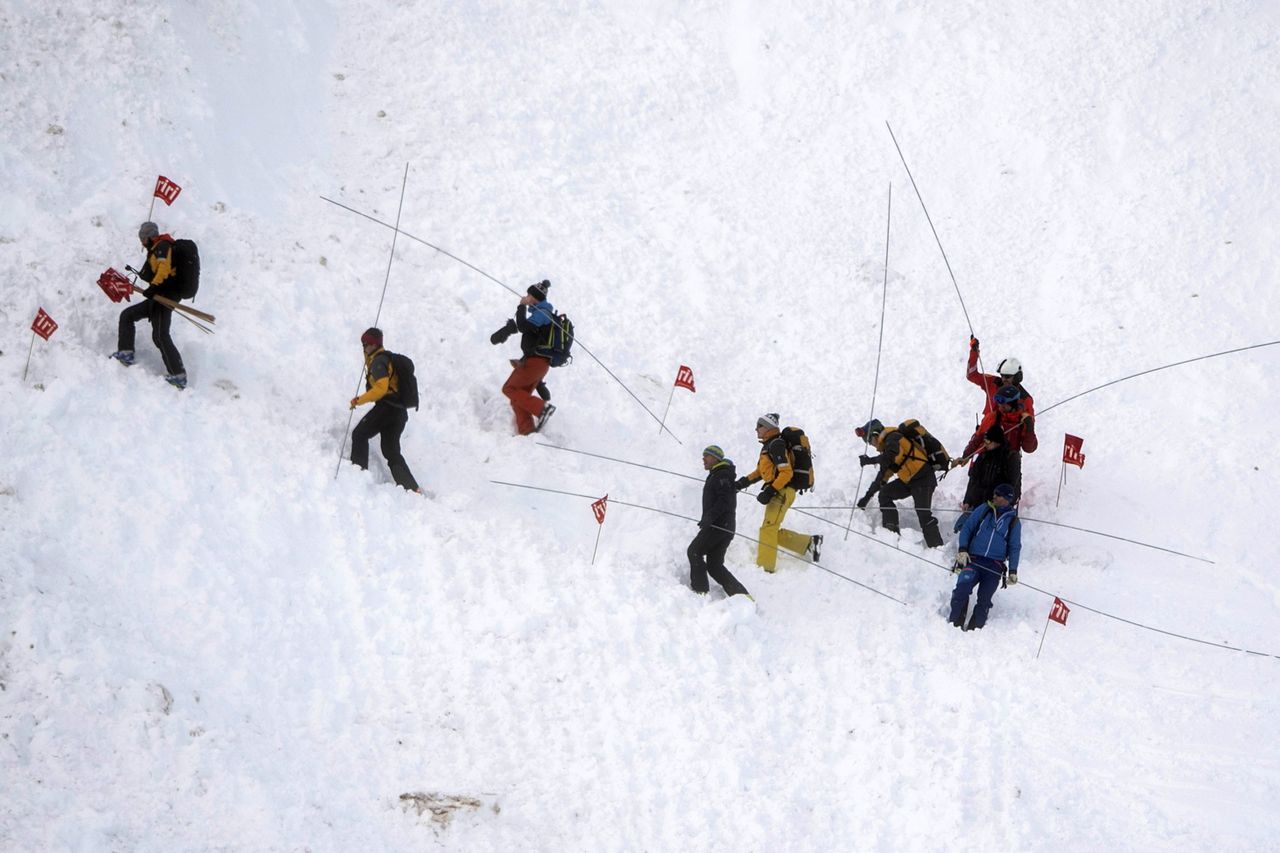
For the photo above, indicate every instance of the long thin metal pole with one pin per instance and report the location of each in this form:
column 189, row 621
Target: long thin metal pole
column 577, row 341
column 1042, row 636
column 925, row 208
column 884, row 301
column 30, row 350
column 1051, row 524
column 691, row 518
column 1041, row 412
column 391, row 256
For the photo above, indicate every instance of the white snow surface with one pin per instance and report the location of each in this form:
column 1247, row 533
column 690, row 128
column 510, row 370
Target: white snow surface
column 207, row 641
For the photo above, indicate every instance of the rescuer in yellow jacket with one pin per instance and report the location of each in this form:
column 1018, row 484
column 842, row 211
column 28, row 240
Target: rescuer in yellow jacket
column 388, row 417
column 774, row 468
column 904, row 471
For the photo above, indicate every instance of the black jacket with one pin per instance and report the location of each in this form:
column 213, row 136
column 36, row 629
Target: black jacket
column 533, row 328
column 720, row 498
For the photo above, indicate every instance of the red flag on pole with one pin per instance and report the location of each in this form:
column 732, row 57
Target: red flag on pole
column 115, row 285
column 43, row 325
column 599, row 507
column 1071, row 450
column 1059, row 612
column 166, row 190
column 684, row 378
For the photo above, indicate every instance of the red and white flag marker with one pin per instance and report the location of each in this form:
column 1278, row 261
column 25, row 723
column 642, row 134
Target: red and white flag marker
column 684, row 379
column 1057, row 613
column 44, row 326
column 598, row 508
column 1071, row 455
column 115, row 285
column 166, row 190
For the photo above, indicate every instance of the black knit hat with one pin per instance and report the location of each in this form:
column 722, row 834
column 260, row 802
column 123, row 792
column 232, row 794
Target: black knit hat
column 539, row 291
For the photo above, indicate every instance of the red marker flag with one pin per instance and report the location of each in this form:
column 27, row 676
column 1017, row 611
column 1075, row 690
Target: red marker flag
column 684, row 378
column 599, row 507
column 1071, row 450
column 115, row 285
column 166, row 190
column 1059, row 612
column 43, row 325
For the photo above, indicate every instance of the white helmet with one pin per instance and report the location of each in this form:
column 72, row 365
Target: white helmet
column 1009, row 367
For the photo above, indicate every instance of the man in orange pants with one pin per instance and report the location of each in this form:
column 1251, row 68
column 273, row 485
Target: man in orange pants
column 534, row 316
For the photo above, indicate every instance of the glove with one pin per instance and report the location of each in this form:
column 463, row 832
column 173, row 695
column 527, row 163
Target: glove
column 956, row 463
column 1028, row 422
column 543, row 391
column 500, row 336
column 864, row 460
column 973, row 343
column 767, row 494
column 1013, row 578
column 741, row 483
column 353, row 402
column 862, row 501
column 961, row 563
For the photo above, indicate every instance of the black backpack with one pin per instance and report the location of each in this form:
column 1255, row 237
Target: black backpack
column 801, row 455
column 405, row 380
column 186, row 265
column 934, row 453
column 556, row 345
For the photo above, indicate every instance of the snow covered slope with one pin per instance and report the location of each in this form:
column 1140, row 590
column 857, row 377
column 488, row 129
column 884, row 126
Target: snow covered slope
column 209, row 641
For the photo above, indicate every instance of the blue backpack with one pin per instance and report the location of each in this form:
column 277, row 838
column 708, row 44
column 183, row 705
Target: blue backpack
column 558, row 342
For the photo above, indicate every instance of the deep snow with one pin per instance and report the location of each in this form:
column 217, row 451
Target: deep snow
column 210, row 642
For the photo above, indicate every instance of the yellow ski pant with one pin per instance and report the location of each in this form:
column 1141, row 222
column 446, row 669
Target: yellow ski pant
column 773, row 534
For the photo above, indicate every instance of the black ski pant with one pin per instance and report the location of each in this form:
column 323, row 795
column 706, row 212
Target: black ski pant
column 706, row 557
column 920, row 490
column 161, row 318
column 388, row 421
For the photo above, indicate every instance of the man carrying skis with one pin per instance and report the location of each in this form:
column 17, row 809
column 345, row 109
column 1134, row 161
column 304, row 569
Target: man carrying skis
column 902, row 458
column 715, row 528
column 991, row 536
column 534, row 316
column 167, row 277
column 775, row 469
column 388, row 416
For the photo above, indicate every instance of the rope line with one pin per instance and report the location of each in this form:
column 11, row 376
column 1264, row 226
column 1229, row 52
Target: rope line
column 914, row 556
column 923, row 207
column 576, row 340
column 1153, row 370
column 781, row 551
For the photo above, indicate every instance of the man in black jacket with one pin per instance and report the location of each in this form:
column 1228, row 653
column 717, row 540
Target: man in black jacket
column 166, row 277
column 716, row 527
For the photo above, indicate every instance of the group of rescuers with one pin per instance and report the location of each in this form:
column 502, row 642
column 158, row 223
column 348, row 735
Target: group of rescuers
column 990, row 535
column 989, row 532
